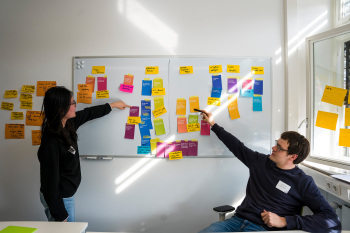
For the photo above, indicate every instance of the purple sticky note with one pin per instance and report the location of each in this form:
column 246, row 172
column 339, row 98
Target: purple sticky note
column 102, row 83
column 192, row 148
column 170, row 147
column 129, row 131
column 184, row 147
column 205, row 128
column 232, row 85
column 177, row 146
column 134, row 111
column 160, row 149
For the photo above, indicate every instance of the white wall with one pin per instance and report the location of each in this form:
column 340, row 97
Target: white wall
column 37, row 42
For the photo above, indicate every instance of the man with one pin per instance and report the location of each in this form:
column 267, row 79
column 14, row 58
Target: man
column 277, row 189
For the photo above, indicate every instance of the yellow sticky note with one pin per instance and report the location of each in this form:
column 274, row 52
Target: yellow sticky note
column 86, row 87
column 134, row 120
column 233, row 108
column 347, row 117
column 186, row 69
column 34, row 118
column 7, row 106
column 43, row 86
column 193, row 127
column 232, row 69
column 28, row 89
column 257, row 70
column 213, row 101
column 158, row 102
column 175, row 155
column 154, row 145
column 17, row 116
column 159, row 111
column 158, row 83
column 158, row 91
column 36, row 137
column 98, row 70
column 326, row 120
column 334, row 95
column 215, row 69
column 181, row 106
column 194, row 103
column 26, row 105
column 10, row 94
column 84, row 97
column 102, row 94
column 26, row 97
column 14, row 131
column 344, row 137
column 152, row 70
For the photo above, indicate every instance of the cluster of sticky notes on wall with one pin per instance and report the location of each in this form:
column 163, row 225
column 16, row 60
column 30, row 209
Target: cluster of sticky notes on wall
column 32, row 118
column 328, row 120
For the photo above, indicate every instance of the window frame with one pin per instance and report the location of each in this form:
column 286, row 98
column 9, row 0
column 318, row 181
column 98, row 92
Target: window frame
column 339, row 20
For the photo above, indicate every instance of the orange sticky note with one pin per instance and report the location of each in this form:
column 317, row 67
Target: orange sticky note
column 194, row 103
column 91, row 80
column 129, row 79
column 182, row 125
column 36, row 137
column 347, row 117
column 86, row 88
column 181, row 106
column 14, row 131
column 326, row 120
column 84, row 97
column 233, row 108
column 43, row 86
column 34, row 118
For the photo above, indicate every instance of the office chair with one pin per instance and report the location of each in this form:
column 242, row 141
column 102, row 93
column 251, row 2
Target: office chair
column 223, row 210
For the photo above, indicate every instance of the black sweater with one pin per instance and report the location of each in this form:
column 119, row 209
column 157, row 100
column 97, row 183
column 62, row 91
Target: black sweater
column 264, row 193
column 60, row 174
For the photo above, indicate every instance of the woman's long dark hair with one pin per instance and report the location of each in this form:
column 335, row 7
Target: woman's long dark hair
column 55, row 106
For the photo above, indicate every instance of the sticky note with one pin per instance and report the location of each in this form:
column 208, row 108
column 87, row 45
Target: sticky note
column 347, row 117
column 205, row 128
column 84, row 97
column 194, row 103
column 86, row 87
column 216, row 80
column 146, row 87
column 259, row 86
column 158, row 83
column 26, row 97
column 98, row 70
column 43, row 86
column 28, row 89
column 158, row 102
column 246, row 93
column 232, row 85
column 14, row 131
column 90, row 80
column 257, row 104
column 232, row 69
column 257, row 70
column 144, row 131
column 159, row 111
column 184, row 147
column 192, row 119
column 216, row 93
column 158, row 91
column 181, row 106
column 143, row 150
column 10, row 94
column 175, row 155
column 102, row 94
column 326, row 120
column 213, row 101
column 34, row 118
column 154, row 145
column 17, row 116
column 16, row 229
column 102, row 83
column 146, row 107
column 134, row 120
column 159, row 126
column 247, row 83
column 181, row 125
column 215, row 69
column 152, row 70
column 7, row 106
column 36, row 137
column 146, row 142
column 233, row 108
column 186, row 69
column 193, row 127
column 169, row 147
column 160, row 149
column 192, row 148
column 129, row 131
column 334, row 95
column 344, row 137
column 128, row 80
column 126, row 88
column 26, row 105
column 134, row 111
column 147, row 119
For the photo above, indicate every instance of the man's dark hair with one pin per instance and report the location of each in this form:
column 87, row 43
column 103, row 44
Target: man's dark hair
column 298, row 144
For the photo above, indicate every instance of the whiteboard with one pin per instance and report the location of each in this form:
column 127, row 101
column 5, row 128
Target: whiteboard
column 105, row 136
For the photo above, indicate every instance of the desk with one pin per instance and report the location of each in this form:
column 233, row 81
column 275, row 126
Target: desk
column 49, row 227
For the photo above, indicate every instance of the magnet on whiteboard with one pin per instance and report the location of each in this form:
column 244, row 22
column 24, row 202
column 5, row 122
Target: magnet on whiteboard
column 82, row 66
column 78, row 62
column 82, row 62
column 79, row 67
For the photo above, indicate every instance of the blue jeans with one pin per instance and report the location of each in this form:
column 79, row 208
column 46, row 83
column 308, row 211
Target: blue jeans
column 234, row 224
column 69, row 204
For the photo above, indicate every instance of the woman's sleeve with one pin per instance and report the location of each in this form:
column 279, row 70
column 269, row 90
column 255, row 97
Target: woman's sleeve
column 88, row 114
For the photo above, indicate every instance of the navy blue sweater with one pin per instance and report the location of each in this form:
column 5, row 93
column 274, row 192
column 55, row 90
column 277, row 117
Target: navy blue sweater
column 262, row 194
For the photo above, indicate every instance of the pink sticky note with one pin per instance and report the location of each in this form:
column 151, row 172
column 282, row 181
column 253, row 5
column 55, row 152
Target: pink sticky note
column 205, row 128
column 126, row 88
column 160, row 149
column 134, row 111
column 169, row 147
column 102, row 83
column 192, row 148
column 184, row 147
column 129, row 131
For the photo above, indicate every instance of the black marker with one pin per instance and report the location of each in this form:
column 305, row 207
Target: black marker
column 200, row 111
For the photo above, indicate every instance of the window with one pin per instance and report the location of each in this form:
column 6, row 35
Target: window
column 342, row 12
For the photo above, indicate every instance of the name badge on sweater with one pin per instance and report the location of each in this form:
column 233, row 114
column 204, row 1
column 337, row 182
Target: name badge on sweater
column 283, row 187
column 71, row 150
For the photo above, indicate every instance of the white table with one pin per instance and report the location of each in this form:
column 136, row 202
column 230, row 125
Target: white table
column 49, row 227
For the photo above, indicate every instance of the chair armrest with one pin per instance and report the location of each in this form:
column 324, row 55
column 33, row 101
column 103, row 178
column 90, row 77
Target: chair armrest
column 224, row 209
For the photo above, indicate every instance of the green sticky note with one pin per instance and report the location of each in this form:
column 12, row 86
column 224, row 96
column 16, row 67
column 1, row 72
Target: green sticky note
column 159, row 126
column 15, row 229
column 192, row 119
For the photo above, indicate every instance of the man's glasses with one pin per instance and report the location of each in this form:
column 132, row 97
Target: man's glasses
column 74, row 103
column 279, row 148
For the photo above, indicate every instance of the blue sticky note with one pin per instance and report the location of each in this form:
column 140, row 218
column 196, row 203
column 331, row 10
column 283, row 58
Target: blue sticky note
column 147, row 119
column 146, row 107
column 144, row 130
column 258, row 87
column 257, row 103
column 247, row 92
column 216, row 93
column 147, row 87
column 143, row 150
column 146, row 142
column 217, row 81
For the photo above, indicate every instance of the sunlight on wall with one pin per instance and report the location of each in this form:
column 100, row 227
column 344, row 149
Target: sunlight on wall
column 148, row 23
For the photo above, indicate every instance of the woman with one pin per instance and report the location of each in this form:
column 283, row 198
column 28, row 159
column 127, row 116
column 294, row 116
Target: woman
column 58, row 153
